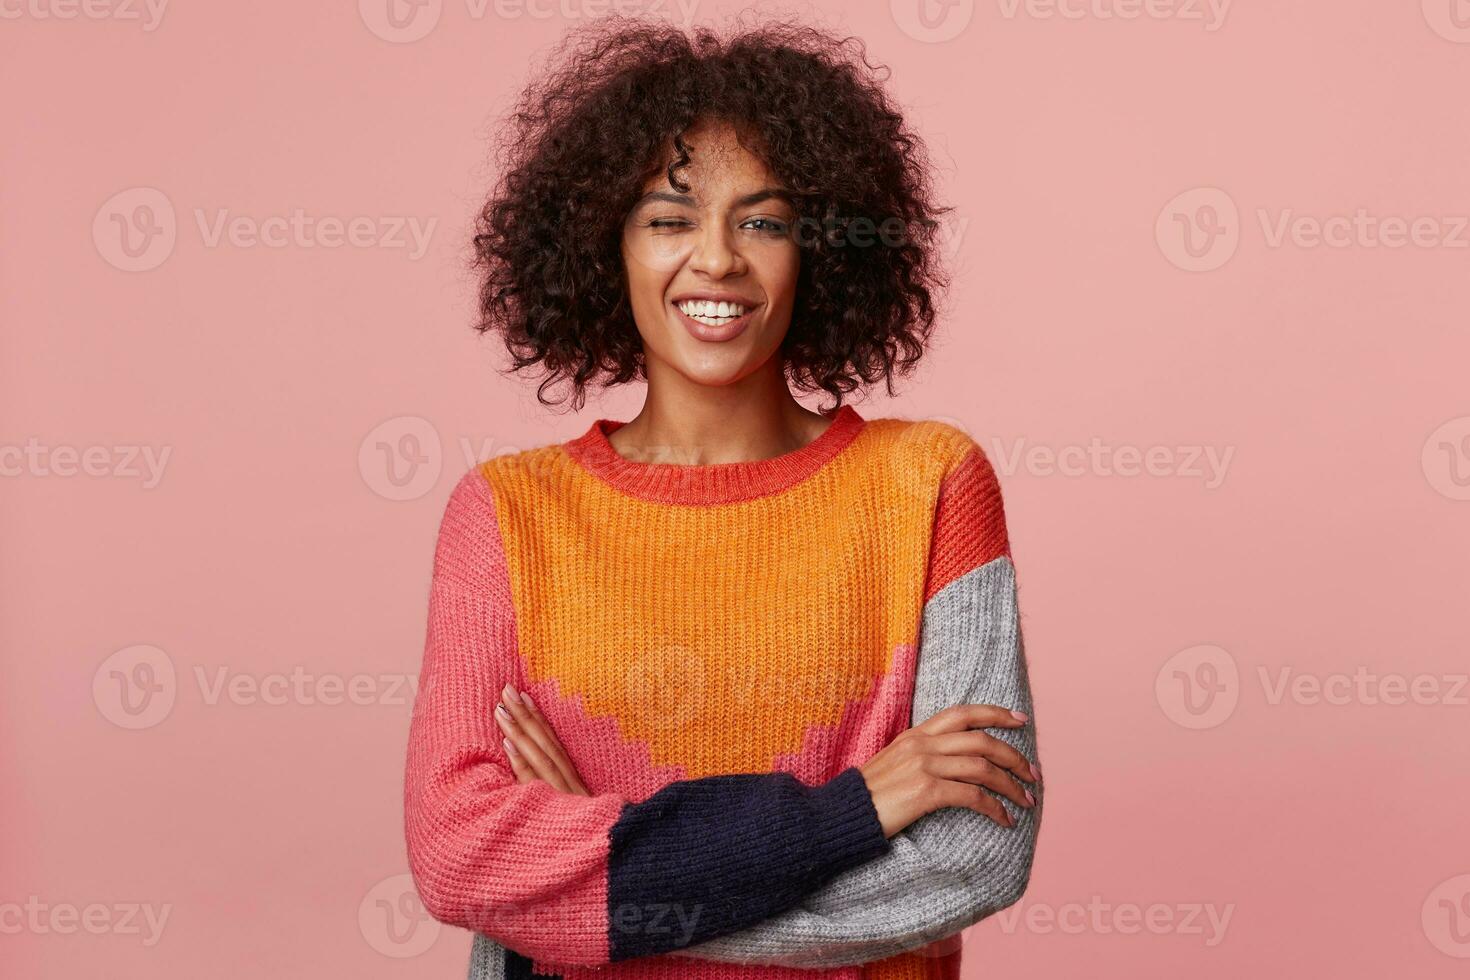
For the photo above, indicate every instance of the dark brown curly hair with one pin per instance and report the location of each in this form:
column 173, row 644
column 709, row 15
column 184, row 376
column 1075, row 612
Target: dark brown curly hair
column 547, row 244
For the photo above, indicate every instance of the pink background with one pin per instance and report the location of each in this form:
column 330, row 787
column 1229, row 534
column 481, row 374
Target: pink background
column 1333, row 835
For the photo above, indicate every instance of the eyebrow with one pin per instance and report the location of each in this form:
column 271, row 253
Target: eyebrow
column 754, row 197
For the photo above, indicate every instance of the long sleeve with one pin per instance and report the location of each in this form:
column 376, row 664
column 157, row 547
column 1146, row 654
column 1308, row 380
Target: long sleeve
column 584, row 880
column 952, row 867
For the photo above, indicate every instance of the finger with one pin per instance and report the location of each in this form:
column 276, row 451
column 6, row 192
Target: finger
column 536, row 724
column 984, row 744
column 958, row 717
column 972, row 797
column 538, row 760
column 981, row 772
column 518, row 764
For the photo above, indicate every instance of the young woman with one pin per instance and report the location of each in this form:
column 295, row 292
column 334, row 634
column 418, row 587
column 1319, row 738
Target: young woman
column 732, row 687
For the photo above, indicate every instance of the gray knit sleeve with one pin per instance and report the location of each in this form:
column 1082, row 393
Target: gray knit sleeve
column 953, row 867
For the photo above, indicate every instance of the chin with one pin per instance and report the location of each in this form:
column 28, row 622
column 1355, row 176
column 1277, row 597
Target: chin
column 714, row 375
column 714, row 364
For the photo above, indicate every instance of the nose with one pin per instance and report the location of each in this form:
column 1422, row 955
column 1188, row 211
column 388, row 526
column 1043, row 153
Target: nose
column 715, row 254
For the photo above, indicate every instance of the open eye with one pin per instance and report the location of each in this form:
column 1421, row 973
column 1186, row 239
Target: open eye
column 768, row 226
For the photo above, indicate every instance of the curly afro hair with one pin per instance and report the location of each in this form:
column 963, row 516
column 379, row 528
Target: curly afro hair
column 547, row 242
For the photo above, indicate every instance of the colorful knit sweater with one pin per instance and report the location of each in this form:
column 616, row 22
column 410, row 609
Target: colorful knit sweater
column 718, row 647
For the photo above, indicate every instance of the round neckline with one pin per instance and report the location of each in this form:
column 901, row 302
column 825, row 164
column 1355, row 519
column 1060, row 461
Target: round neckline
column 709, row 483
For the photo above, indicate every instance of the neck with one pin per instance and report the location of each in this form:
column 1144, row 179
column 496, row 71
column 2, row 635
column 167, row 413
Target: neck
column 685, row 422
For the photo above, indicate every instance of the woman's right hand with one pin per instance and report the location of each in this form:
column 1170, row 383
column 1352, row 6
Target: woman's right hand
column 945, row 762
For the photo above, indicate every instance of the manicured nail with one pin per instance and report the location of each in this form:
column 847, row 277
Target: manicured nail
column 501, row 715
column 1020, row 715
column 1029, row 798
column 1036, row 771
column 510, row 748
column 510, row 693
column 526, row 698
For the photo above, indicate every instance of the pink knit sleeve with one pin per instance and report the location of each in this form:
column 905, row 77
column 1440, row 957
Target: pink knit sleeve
column 524, row 863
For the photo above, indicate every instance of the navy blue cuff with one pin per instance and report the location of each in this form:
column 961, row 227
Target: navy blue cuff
column 848, row 830
column 706, row 857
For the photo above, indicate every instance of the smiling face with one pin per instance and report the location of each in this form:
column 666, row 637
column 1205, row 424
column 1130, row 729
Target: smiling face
column 712, row 271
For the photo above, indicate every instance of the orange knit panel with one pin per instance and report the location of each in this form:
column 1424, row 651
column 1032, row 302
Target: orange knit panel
column 716, row 647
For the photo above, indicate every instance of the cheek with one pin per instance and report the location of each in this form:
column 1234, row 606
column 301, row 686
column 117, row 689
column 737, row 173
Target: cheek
column 654, row 257
column 779, row 267
column 646, row 283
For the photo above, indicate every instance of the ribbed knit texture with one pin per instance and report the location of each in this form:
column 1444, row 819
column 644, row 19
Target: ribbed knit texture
column 717, row 647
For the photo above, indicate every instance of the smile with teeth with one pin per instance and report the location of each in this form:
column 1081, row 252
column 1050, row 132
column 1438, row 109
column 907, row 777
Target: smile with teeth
column 711, row 313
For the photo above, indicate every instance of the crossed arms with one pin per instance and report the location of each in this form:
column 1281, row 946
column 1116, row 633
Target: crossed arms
column 858, row 899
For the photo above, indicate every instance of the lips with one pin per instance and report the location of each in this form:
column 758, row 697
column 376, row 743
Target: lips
column 715, row 333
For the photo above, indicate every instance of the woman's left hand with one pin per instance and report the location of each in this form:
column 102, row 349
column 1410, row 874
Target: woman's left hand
column 532, row 746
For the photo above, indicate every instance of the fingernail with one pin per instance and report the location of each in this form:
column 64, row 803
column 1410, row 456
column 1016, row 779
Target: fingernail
column 510, row 693
column 1020, row 715
column 510, row 748
column 526, row 698
column 501, row 714
column 1036, row 771
column 1029, row 798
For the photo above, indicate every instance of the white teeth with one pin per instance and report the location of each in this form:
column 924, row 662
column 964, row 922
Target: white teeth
column 711, row 312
